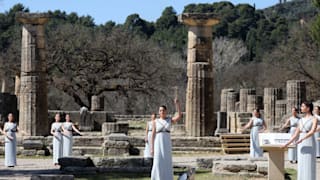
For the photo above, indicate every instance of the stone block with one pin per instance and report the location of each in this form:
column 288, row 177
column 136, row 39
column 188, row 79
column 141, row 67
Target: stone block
column 29, row 152
column 116, row 152
column 205, row 163
column 117, row 137
column 33, row 144
column 136, row 141
column 115, row 127
column 88, row 141
column 120, row 162
column 262, row 169
column 235, row 166
column 116, row 148
column 74, row 161
column 116, row 144
column 41, row 153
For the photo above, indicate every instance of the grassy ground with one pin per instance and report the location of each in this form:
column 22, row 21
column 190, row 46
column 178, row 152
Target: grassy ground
column 200, row 174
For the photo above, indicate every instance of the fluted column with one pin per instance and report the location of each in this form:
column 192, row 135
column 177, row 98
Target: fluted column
column 296, row 94
column 199, row 99
column 281, row 111
column 243, row 98
column 271, row 95
column 223, row 99
column 254, row 102
column 33, row 116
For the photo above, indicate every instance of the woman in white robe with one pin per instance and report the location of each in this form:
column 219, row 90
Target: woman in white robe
column 306, row 144
column 56, row 131
column 148, row 136
column 292, row 122
column 317, row 134
column 67, row 128
column 9, row 130
column 257, row 126
column 161, row 144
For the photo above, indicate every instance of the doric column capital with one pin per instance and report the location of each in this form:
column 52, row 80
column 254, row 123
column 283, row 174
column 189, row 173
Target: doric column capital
column 32, row 18
column 198, row 19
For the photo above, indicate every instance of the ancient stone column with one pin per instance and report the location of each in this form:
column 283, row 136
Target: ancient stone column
column 199, row 99
column 97, row 103
column 33, row 116
column 4, row 85
column 296, row 94
column 281, row 111
column 223, row 99
column 17, row 88
column 254, row 102
column 243, row 98
column 271, row 95
column 232, row 98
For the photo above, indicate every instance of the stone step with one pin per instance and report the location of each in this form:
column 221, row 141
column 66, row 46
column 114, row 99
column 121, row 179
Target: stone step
column 237, row 149
column 190, row 149
column 92, row 133
column 236, row 145
column 182, row 141
column 83, row 150
column 93, row 141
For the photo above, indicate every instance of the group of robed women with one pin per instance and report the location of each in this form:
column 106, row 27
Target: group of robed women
column 62, row 139
column 303, row 146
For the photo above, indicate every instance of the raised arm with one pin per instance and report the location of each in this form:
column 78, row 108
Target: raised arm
column 178, row 108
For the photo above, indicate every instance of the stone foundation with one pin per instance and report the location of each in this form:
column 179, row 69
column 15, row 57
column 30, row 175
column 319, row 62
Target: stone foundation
column 115, row 127
column 235, row 165
column 116, row 145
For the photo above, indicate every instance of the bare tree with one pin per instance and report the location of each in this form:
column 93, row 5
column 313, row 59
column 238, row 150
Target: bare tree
column 300, row 58
column 84, row 62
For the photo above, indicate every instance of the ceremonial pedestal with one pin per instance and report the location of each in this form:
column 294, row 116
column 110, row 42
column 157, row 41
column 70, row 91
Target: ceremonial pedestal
column 276, row 161
column 272, row 142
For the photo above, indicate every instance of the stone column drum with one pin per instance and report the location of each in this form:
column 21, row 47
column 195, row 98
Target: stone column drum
column 199, row 99
column 97, row 103
column 271, row 95
column 254, row 102
column 296, row 94
column 223, row 100
column 281, row 112
column 243, row 98
column 232, row 98
column 33, row 116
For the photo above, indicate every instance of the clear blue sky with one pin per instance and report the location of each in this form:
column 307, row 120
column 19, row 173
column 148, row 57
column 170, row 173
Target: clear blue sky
column 117, row 10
